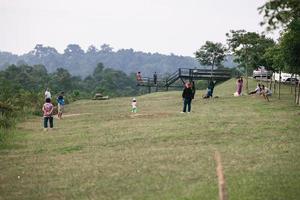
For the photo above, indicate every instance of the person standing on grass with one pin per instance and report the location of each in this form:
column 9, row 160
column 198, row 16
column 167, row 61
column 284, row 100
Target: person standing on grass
column 134, row 105
column 240, row 86
column 155, row 78
column 47, row 113
column 47, row 93
column 60, row 104
column 187, row 95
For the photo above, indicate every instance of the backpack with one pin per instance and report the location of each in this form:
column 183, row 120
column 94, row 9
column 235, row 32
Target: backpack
column 48, row 109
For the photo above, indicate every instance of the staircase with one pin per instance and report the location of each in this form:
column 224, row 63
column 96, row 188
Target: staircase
column 185, row 74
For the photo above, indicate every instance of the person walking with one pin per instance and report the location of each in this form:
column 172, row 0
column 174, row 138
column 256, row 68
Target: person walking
column 60, row 104
column 187, row 95
column 47, row 113
column 134, row 105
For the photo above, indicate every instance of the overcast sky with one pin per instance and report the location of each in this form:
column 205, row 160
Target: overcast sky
column 164, row 26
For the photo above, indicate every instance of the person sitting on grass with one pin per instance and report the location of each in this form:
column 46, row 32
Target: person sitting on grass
column 210, row 90
column 257, row 90
column 266, row 92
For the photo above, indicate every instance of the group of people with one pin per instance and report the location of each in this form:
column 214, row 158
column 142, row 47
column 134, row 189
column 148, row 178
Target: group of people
column 48, row 108
column 189, row 91
column 140, row 79
column 262, row 90
column 188, row 95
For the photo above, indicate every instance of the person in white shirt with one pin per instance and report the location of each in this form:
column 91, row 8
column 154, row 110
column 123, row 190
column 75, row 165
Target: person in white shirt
column 47, row 94
column 266, row 92
column 134, row 105
column 257, row 90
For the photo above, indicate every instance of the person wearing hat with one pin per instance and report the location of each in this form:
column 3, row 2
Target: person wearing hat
column 187, row 96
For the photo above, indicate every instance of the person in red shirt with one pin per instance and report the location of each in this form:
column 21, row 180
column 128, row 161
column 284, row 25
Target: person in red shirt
column 187, row 96
column 139, row 77
column 48, row 114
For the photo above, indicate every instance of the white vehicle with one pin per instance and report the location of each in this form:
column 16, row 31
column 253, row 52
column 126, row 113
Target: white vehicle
column 286, row 77
column 261, row 72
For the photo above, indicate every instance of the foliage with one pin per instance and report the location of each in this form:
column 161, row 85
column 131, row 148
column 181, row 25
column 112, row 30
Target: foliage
column 6, row 116
column 279, row 13
column 212, row 54
column 290, row 45
column 274, row 58
column 81, row 63
column 248, row 47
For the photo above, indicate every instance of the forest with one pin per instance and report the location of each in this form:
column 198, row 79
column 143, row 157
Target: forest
column 82, row 63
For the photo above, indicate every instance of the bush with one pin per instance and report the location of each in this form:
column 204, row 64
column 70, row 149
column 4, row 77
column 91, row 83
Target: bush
column 7, row 116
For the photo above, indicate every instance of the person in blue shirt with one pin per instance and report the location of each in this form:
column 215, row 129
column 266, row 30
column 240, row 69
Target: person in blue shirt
column 60, row 104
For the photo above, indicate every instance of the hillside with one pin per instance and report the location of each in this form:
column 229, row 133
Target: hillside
column 82, row 63
column 102, row 151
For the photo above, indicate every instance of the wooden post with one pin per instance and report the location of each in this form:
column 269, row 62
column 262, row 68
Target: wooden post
column 298, row 93
column 279, row 84
column 149, row 86
column 221, row 179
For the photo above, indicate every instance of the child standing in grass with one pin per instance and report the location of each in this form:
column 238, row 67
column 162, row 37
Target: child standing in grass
column 134, row 105
column 60, row 104
column 47, row 112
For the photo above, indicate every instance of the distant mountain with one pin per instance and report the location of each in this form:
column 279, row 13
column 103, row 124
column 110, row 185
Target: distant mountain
column 79, row 62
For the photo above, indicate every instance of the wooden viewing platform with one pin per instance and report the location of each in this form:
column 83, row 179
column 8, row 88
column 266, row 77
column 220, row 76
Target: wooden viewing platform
column 185, row 74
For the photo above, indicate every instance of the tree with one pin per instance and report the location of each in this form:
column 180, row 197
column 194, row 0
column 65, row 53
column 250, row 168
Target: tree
column 73, row 50
column 106, row 48
column 92, row 49
column 290, row 44
column 279, row 13
column 98, row 72
column 275, row 61
column 249, row 48
column 61, row 80
column 212, row 54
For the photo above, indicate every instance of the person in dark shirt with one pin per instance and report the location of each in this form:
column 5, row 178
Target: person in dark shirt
column 187, row 96
column 210, row 90
column 155, row 78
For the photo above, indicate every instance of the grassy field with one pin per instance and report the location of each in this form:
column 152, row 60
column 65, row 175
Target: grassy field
column 102, row 151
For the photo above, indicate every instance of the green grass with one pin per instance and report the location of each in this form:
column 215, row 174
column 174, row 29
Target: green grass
column 108, row 153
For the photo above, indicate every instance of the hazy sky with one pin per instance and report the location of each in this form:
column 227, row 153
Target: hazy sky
column 163, row 26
